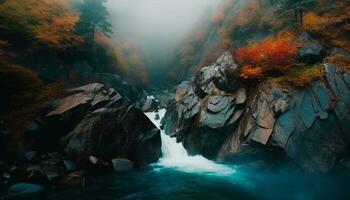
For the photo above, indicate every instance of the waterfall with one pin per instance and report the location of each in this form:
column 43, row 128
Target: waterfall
column 175, row 155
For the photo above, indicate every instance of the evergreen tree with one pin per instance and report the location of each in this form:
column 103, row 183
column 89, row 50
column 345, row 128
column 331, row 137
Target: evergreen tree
column 93, row 18
column 295, row 8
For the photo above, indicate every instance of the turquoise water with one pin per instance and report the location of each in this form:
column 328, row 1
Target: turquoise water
column 157, row 183
column 178, row 176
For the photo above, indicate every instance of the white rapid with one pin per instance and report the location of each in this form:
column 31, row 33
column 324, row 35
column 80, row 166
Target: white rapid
column 175, row 155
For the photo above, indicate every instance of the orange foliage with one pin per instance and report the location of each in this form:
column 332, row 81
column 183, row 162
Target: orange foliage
column 331, row 25
column 59, row 33
column 218, row 17
column 271, row 55
column 248, row 13
column 248, row 72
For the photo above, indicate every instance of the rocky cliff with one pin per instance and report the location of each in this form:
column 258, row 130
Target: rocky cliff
column 217, row 115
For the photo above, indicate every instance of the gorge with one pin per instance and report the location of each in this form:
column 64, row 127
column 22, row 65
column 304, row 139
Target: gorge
column 150, row 99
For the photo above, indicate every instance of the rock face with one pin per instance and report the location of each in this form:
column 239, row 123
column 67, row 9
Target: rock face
column 226, row 120
column 202, row 114
column 96, row 120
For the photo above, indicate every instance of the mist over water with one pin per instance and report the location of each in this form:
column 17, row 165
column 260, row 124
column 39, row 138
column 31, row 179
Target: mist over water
column 157, row 27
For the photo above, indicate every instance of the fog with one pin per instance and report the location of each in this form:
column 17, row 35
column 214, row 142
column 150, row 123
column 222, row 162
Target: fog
column 157, row 27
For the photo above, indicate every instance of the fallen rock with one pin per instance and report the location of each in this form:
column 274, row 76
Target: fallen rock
column 113, row 132
column 26, row 191
column 75, row 179
column 122, row 164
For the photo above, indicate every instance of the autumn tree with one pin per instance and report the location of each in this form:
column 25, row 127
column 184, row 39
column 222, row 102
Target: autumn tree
column 270, row 56
column 93, row 18
column 48, row 23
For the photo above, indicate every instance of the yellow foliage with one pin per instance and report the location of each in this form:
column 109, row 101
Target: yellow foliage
column 248, row 13
column 49, row 22
column 301, row 76
column 59, row 33
column 331, row 25
column 314, row 22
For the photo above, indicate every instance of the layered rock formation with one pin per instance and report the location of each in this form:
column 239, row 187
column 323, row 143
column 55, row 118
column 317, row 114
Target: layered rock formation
column 96, row 120
column 216, row 115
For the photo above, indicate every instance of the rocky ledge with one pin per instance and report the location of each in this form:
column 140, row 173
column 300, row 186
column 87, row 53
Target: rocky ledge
column 91, row 130
column 222, row 118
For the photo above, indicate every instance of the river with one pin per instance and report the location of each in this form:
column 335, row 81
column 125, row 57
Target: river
column 178, row 176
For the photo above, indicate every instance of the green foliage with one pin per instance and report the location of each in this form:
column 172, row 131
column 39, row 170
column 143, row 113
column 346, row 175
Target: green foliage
column 300, row 76
column 294, row 8
column 93, row 17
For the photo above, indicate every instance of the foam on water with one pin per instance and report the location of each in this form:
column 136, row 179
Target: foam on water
column 175, row 155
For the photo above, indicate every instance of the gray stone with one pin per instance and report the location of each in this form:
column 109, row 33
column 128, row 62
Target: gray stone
column 284, row 128
column 26, row 191
column 240, row 96
column 120, row 164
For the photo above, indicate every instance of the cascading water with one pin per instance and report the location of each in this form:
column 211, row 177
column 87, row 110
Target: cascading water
column 175, row 155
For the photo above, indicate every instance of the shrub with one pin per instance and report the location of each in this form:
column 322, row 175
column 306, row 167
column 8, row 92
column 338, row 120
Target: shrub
column 251, row 72
column 301, row 76
column 272, row 55
column 24, row 93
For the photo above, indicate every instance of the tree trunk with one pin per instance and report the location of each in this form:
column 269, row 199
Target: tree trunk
column 92, row 42
column 301, row 19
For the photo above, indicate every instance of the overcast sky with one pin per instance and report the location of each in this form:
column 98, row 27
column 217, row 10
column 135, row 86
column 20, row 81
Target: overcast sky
column 157, row 27
column 156, row 20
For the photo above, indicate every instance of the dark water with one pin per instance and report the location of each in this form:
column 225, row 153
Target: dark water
column 158, row 183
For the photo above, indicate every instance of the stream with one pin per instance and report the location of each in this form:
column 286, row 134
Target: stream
column 178, row 176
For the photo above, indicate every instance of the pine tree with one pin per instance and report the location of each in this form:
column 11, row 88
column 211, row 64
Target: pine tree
column 295, row 8
column 93, row 18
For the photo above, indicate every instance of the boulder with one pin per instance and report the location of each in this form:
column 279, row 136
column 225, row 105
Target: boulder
column 308, row 125
column 120, row 164
column 222, row 76
column 311, row 51
column 96, row 120
column 149, row 105
column 26, row 191
column 76, row 179
column 112, row 132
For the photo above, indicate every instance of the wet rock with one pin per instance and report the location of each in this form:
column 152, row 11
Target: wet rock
column 157, row 117
column 339, row 52
column 17, row 174
column 30, row 156
column 112, row 132
column 99, row 166
column 218, row 112
column 37, row 177
column 75, row 179
column 311, row 51
column 284, row 128
column 69, row 166
column 308, row 125
column 241, row 96
column 222, row 76
column 149, row 105
column 120, row 164
column 26, row 191
column 182, row 90
column 65, row 113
